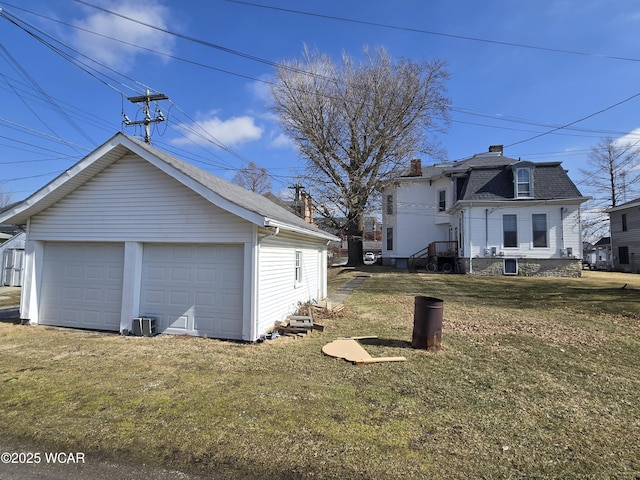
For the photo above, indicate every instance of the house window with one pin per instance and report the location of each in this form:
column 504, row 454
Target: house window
column 624, row 222
column 510, row 230
column 389, row 204
column 298, row 267
column 460, row 184
column 623, row 255
column 523, row 182
column 389, row 238
column 442, row 201
column 510, row 266
column 539, row 224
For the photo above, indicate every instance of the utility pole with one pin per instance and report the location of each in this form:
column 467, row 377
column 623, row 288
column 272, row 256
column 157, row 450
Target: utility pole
column 146, row 99
column 297, row 200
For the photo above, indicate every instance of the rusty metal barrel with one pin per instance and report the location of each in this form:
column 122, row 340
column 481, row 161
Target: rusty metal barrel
column 427, row 323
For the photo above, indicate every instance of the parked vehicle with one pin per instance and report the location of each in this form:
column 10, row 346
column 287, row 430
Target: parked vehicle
column 369, row 257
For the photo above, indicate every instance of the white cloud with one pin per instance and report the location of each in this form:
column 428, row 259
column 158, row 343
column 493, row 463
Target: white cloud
column 231, row 132
column 261, row 90
column 282, row 141
column 121, row 55
column 631, row 138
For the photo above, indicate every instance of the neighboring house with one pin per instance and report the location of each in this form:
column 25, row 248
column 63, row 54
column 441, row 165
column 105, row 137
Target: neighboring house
column 130, row 231
column 604, row 257
column 625, row 236
column 487, row 214
column 598, row 256
column 12, row 255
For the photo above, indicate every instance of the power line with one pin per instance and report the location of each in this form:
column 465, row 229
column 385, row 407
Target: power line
column 202, row 42
column 430, row 32
column 575, row 121
column 454, row 109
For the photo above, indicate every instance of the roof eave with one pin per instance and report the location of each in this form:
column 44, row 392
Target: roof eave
column 510, row 202
column 623, row 207
column 269, row 222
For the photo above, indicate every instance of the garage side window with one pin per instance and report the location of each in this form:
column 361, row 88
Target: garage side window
column 298, row 267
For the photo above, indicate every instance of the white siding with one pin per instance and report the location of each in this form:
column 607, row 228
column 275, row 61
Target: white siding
column 416, row 219
column 484, row 230
column 279, row 295
column 133, row 201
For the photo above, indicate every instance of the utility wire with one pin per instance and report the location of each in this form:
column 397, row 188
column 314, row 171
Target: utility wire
column 262, row 80
column 575, row 121
column 202, row 42
column 430, row 32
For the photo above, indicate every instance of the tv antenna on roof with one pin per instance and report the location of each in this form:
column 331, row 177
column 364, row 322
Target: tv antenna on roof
column 146, row 99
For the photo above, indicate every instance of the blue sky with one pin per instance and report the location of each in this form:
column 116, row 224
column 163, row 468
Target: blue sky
column 519, row 70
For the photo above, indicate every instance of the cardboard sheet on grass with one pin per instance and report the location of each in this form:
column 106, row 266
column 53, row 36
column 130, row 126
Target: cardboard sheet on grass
column 349, row 349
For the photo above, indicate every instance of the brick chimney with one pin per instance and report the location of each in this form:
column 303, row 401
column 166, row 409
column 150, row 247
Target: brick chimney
column 496, row 149
column 416, row 168
column 307, row 210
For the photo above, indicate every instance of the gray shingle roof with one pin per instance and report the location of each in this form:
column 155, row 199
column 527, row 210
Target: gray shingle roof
column 490, row 177
column 550, row 181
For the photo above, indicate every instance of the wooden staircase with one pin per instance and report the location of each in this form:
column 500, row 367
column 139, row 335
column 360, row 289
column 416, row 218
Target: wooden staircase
column 437, row 256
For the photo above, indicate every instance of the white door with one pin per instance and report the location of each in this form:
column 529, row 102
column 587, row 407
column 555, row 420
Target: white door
column 81, row 285
column 194, row 289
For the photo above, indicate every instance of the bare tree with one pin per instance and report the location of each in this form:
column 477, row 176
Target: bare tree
column 612, row 178
column 253, row 178
column 5, row 199
column 358, row 125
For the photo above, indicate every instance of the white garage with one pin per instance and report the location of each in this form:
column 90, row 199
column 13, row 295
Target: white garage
column 193, row 289
column 130, row 231
column 82, row 285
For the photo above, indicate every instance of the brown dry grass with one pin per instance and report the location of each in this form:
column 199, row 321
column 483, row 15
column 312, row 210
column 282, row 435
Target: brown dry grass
column 537, row 378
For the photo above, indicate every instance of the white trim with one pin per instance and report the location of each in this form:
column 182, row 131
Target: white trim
column 298, row 264
column 504, row 266
column 131, row 284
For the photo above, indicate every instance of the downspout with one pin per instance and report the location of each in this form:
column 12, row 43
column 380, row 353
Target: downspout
column 275, row 232
column 464, row 232
column 486, row 228
column 561, row 228
column 256, row 258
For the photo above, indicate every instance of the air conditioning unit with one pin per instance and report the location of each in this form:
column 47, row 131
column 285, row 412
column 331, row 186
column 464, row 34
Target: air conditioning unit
column 563, row 252
column 487, row 252
column 144, row 326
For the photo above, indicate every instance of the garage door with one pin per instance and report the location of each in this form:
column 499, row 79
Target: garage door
column 194, row 289
column 82, row 285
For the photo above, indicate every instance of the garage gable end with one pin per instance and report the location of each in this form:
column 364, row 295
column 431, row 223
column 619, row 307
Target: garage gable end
column 133, row 200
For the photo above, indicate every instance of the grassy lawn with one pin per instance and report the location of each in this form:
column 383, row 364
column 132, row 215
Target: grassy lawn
column 538, row 377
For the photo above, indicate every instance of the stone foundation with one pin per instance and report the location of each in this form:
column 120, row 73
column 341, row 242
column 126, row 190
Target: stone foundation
column 528, row 267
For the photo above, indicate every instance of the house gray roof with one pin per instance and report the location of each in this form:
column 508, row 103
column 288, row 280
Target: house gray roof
column 259, row 209
column 489, row 176
column 477, row 160
column 550, row 181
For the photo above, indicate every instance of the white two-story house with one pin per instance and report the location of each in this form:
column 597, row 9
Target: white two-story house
column 487, row 214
